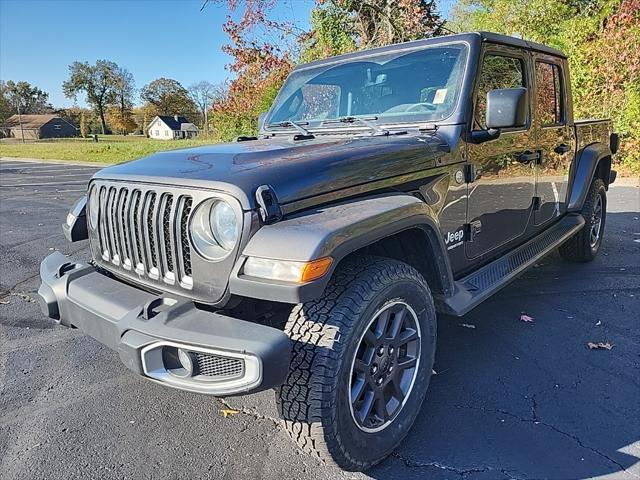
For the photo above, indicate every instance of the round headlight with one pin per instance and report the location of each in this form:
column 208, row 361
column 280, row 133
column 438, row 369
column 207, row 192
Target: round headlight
column 224, row 224
column 214, row 229
column 94, row 207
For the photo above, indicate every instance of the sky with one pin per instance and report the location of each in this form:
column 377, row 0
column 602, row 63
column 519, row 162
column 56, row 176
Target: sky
column 39, row 39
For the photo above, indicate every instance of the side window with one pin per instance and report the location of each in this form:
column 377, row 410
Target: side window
column 497, row 72
column 549, row 101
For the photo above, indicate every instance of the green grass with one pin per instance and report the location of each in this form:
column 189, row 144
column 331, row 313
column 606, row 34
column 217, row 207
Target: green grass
column 109, row 148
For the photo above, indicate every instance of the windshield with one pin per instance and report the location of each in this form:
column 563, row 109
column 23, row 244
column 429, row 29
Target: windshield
column 396, row 87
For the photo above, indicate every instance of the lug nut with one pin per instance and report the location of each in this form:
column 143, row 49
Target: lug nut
column 390, row 350
column 390, row 368
column 381, row 351
column 374, row 368
column 379, row 381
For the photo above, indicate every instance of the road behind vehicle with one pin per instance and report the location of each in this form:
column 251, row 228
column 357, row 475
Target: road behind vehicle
column 385, row 186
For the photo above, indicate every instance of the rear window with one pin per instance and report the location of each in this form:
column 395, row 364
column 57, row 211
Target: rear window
column 549, row 94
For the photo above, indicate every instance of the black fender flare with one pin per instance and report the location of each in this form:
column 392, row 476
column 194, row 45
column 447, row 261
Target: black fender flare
column 588, row 159
column 336, row 231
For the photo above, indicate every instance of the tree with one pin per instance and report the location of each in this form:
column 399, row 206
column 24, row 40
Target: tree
column 602, row 41
column 121, row 120
column 97, row 82
column 383, row 22
column 203, row 95
column 168, row 97
column 331, row 33
column 6, row 109
column 26, row 97
column 84, row 128
column 123, row 89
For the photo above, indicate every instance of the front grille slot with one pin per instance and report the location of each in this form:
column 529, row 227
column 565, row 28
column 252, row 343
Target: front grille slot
column 146, row 231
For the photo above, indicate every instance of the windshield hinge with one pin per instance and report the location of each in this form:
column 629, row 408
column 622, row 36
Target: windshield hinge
column 268, row 206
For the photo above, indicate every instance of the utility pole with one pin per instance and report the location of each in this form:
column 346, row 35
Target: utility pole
column 20, row 120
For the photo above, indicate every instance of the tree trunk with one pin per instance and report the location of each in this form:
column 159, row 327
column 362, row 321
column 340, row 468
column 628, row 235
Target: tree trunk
column 103, row 123
column 206, row 122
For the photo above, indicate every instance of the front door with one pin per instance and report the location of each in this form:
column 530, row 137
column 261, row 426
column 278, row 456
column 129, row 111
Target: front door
column 555, row 137
column 500, row 199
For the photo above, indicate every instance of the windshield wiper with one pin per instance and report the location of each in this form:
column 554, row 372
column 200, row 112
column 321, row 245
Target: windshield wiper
column 365, row 121
column 296, row 125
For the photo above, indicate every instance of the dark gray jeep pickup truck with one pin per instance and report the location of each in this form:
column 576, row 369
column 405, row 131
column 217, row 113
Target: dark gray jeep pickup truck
column 385, row 187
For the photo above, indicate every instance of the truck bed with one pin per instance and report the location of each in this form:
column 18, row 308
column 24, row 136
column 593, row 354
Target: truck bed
column 592, row 130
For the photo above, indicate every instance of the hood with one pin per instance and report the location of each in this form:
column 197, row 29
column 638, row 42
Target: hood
column 295, row 170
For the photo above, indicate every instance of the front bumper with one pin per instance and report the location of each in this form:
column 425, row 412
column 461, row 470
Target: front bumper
column 145, row 329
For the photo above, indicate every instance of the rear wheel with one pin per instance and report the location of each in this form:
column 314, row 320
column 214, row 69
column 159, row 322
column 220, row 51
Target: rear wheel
column 361, row 363
column 585, row 245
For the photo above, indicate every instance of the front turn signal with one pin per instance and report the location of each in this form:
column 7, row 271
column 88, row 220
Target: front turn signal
column 286, row 270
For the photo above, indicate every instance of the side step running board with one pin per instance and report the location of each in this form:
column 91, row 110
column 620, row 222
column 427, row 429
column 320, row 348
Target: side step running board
column 484, row 282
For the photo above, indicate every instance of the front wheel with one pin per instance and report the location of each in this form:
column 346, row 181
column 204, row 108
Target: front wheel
column 361, row 363
column 585, row 245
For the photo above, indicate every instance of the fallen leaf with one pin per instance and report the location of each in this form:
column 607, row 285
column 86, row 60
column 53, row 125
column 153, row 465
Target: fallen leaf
column 226, row 412
column 526, row 318
column 599, row 346
column 467, row 325
column 599, row 323
column 4, row 302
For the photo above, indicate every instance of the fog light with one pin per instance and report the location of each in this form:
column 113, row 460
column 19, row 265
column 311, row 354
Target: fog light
column 186, row 361
column 177, row 361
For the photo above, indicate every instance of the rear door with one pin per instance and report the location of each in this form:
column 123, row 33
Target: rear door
column 500, row 200
column 555, row 137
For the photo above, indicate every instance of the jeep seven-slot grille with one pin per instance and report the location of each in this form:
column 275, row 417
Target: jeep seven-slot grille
column 146, row 232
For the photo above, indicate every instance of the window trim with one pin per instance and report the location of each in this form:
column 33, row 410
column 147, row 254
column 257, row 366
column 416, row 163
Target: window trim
column 501, row 51
column 563, row 101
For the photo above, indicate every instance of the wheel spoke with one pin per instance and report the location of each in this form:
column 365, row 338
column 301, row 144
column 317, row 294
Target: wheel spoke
column 407, row 335
column 383, row 323
column 407, row 362
column 396, row 324
column 358, row 388
column 370, row 338
column 381, row 406
column 360, row 366
column 367, row 406
column 397, row 388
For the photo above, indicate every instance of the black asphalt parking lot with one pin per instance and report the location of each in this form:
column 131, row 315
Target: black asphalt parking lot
column 511, row 399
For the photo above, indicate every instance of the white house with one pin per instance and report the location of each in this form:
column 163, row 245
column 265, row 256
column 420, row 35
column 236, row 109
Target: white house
column 166, row 127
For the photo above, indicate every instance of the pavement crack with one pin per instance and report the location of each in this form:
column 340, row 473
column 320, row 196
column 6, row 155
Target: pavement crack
column 535, row 420
column 250, row 413
column 462, row 472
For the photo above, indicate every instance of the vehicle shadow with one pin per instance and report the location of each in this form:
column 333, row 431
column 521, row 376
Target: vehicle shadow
column 530, row 399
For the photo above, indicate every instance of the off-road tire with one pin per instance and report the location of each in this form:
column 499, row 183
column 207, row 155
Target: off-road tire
column 315, row 402
column 579, row 248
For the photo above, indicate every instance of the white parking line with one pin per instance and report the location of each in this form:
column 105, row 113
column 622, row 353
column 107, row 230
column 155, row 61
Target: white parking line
column 29, row 171
column 38, row 177
column 60, row 184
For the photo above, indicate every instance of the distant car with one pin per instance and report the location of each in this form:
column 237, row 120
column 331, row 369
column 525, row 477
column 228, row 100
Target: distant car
column 385, row 186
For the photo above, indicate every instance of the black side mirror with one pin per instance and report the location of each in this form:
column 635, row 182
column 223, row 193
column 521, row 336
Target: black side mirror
column 507, row 108
column 261, row 119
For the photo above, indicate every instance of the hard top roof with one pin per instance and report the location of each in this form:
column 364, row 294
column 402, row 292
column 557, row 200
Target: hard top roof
column 468, row 37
